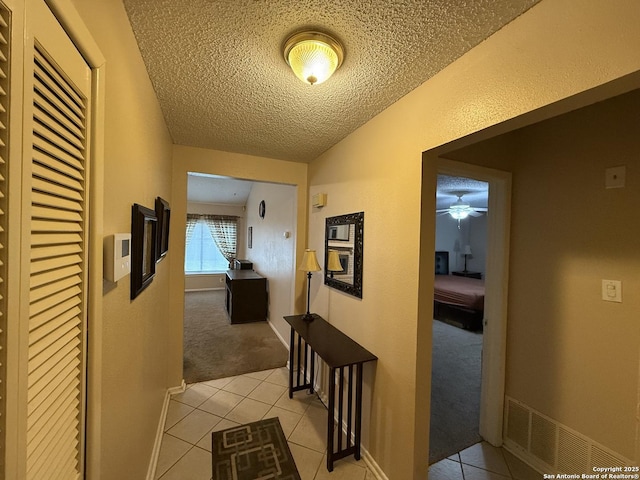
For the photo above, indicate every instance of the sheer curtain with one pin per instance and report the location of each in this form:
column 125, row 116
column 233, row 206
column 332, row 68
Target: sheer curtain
column 192, row 219
column 224, row 230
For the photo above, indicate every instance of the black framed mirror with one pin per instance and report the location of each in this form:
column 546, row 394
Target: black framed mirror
column 143, row 252
column 343, row 251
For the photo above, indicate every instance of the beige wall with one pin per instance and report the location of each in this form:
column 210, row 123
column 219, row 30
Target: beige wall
column 551, row 52
column 129, row 363
column 571, row 355
column 273, row 255
column 247, row 167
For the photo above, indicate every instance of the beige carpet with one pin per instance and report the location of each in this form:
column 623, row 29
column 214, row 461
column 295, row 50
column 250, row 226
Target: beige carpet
column 213, row 348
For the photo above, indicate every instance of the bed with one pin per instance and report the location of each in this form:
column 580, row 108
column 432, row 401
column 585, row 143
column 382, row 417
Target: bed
column 457, row 300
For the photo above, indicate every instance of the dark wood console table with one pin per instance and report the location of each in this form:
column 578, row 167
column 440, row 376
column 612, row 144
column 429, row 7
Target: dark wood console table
column 339, row 352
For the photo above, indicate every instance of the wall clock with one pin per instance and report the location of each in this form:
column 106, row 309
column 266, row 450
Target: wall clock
column 261, row 209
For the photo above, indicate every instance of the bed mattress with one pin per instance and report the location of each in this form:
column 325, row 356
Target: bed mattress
column 459, row 291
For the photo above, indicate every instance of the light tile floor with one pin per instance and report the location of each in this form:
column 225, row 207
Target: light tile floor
column 482, row 461
column 185, row 453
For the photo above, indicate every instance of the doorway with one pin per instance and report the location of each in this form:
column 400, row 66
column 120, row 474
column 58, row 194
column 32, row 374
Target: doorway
column 494, row 320
column 461, row 245
column 215, row 344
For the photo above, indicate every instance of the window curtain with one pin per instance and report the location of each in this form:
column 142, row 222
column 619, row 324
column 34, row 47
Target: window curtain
column 192, row 219
column 224, row 230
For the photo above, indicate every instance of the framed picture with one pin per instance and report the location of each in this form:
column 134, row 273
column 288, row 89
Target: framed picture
column 144, row 224
column 163, row 213
column 250, row 237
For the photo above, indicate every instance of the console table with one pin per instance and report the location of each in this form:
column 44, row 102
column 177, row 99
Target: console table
column 339, row 352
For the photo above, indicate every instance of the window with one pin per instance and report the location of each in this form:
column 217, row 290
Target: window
column 202, row 253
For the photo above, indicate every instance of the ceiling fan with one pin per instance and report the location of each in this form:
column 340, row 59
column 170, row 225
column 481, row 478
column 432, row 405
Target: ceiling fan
column 461, row 209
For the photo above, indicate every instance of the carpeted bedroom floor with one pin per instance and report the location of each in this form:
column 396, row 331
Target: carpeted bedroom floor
column 455, row 390
column 213, row 348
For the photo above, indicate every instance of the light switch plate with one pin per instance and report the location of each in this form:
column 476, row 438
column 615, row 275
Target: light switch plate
column 612, row 291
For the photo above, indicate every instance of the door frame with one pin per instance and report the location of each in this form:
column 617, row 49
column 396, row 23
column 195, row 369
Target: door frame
column 71, row 21
column 496, row 292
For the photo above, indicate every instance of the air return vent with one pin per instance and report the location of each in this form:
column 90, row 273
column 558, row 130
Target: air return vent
column 518, row 424
column 550, row 446
column 543, row 439
column 573, row 452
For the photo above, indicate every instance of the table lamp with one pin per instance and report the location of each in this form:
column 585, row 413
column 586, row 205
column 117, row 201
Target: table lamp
column 333, row 262
column 309, row 264
column 466, row 253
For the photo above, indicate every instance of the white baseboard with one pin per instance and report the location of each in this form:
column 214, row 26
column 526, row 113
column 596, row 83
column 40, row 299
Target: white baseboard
column 282, row 340
column 153, row 462
column 373, row 467
column 179, row 389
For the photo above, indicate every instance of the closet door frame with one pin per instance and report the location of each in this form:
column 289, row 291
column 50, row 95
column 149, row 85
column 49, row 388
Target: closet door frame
column 68, row 17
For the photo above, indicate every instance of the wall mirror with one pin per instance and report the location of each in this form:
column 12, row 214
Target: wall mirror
column 343, row 249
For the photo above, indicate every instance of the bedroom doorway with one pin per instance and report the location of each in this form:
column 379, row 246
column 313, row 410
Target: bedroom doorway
column 460, row 259
column 496, row 280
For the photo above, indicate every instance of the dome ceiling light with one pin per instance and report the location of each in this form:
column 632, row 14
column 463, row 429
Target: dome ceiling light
column 313, row 56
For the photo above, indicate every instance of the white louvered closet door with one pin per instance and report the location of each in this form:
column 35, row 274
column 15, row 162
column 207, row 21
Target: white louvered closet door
column 57, row 211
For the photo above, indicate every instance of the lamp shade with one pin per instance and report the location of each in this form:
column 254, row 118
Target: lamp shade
column 467, row 250
column 313, row 56
column 309, row 262
column 333, row 262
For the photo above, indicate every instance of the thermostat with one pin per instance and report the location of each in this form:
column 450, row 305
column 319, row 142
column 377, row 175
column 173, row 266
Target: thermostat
column 117, row 256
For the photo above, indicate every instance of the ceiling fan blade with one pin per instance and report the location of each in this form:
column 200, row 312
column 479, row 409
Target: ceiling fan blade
column 476, row 214
column 481, row 209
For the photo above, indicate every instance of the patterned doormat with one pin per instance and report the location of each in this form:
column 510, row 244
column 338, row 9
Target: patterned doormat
column 255, row 451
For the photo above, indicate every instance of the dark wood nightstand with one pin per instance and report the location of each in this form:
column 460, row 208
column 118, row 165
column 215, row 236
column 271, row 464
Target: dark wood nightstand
column 468, row 274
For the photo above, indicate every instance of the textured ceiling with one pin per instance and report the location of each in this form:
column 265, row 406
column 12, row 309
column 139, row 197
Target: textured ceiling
column 474, row 192
column 214, row 189
column 222, row 83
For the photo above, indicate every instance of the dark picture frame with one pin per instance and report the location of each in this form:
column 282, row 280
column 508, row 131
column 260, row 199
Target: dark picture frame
column 250, row 237
column 163, row 213
column 144, row 224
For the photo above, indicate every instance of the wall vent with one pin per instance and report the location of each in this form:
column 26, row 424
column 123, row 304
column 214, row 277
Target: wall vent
column 518, row 424
column 543, row 439
column 550, row 446
column 573, row 452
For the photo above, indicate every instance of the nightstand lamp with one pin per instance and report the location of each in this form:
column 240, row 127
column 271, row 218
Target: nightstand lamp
column 466, row 253
column 309, row 264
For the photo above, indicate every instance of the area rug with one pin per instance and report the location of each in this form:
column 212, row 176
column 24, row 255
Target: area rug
column 255, row 451
column 213, row 348
column 455, row 390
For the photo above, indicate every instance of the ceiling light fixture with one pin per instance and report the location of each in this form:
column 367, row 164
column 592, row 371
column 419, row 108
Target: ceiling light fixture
column 313, row 56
